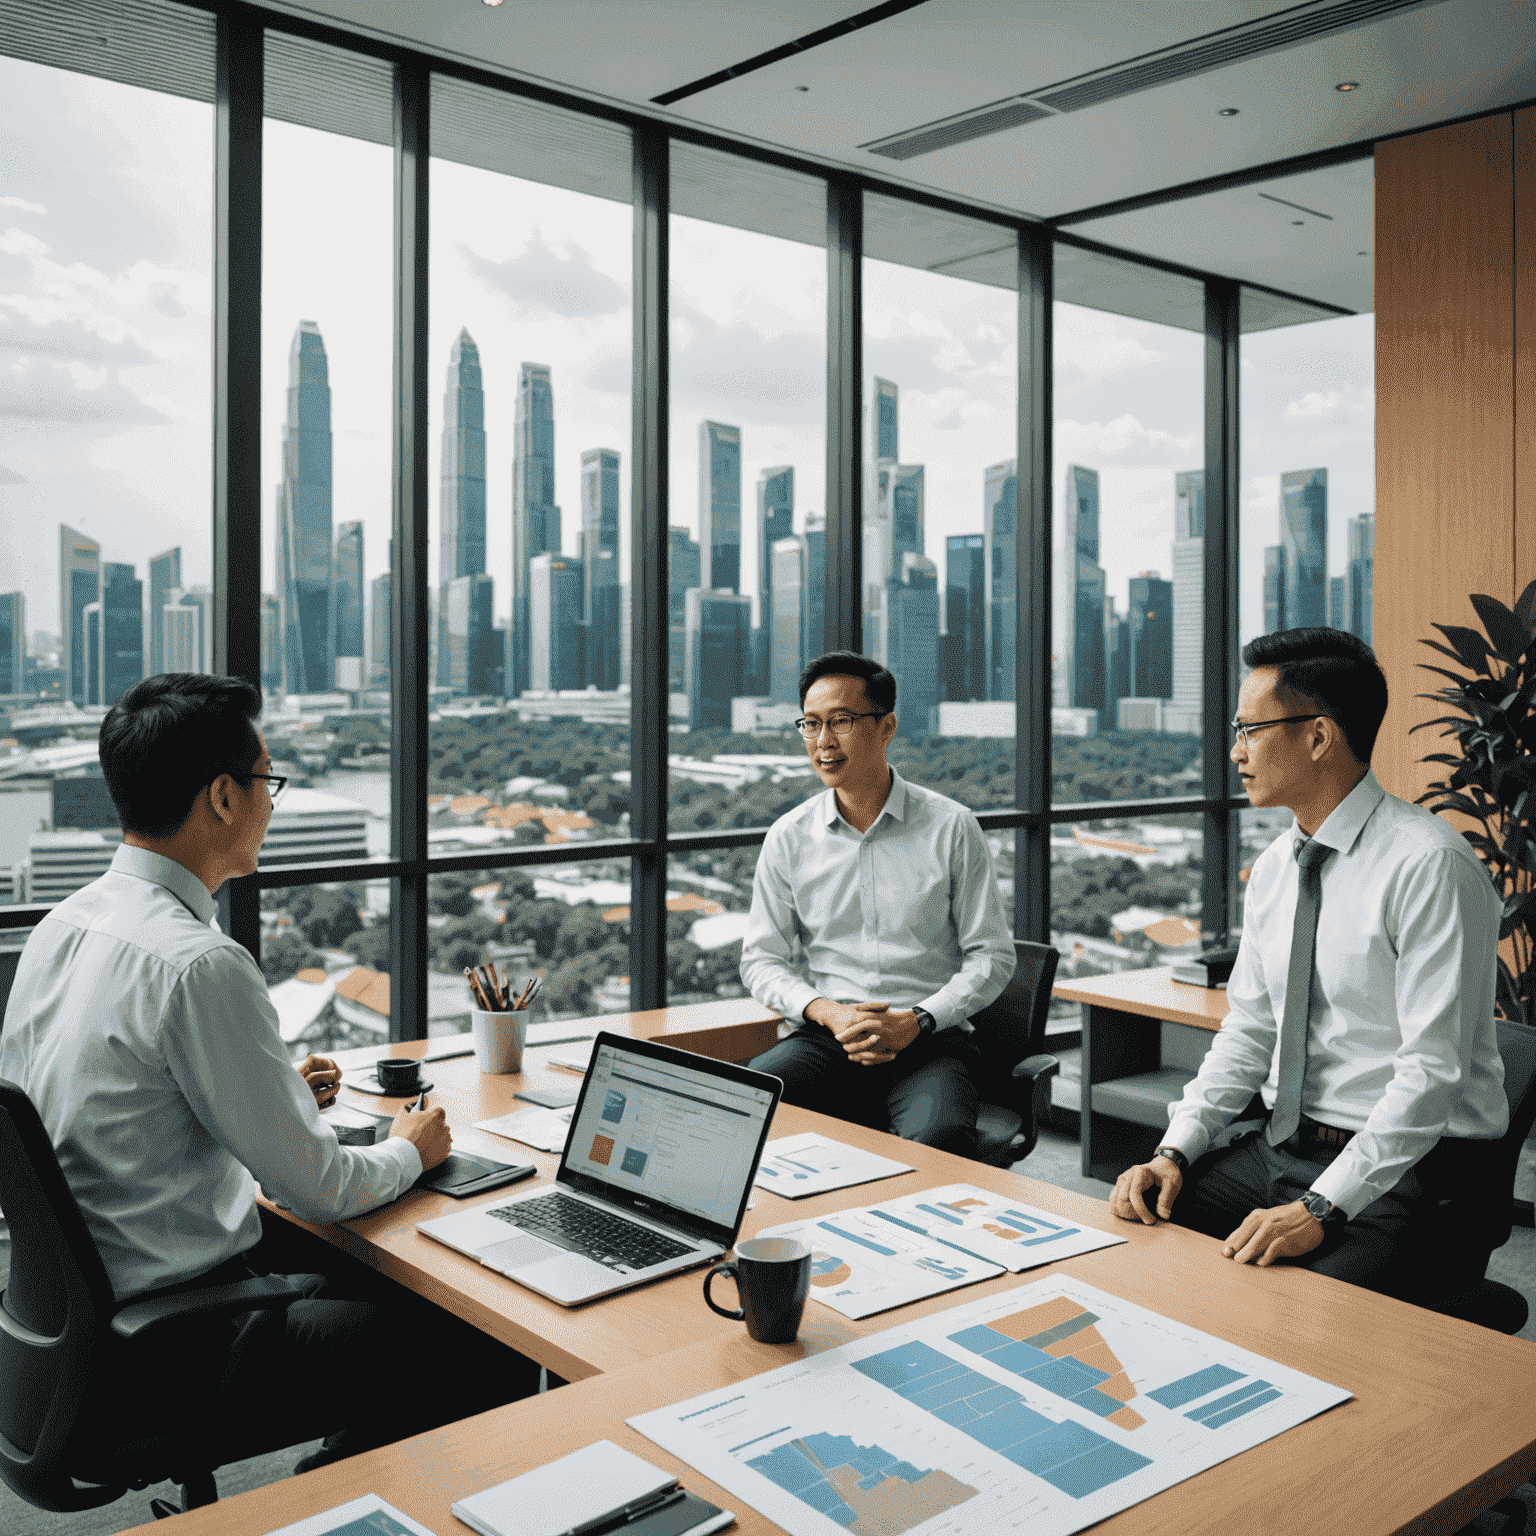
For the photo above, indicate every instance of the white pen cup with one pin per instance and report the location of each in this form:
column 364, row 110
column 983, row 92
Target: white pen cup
column 498, row 1039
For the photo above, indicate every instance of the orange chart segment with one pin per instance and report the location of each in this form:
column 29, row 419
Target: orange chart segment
column 602, row 1150
column 1057, row 1346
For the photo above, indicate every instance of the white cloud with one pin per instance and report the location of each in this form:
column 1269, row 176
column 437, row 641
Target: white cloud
column 10, row 477
column 21, row 205
column 1125, row 440
column 1317, row 405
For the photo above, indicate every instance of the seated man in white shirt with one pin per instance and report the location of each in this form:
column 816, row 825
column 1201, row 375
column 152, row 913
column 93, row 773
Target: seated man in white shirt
column 1362, row 1010
column 146, row 1040
column 888, row 892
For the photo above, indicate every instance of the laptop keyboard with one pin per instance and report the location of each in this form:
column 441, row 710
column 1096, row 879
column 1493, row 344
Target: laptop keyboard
column 583, row 1228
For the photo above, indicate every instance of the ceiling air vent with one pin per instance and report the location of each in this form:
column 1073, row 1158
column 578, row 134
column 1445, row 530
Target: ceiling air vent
column 1198, row 56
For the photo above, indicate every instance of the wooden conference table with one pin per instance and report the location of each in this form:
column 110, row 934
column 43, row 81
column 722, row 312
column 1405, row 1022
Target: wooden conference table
column 1441, row 1426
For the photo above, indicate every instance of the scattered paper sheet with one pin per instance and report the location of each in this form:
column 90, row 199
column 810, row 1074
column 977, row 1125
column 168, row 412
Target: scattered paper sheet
column 1045, row 1409
column 543, row 1129
column 809, row 1164
column 367, row 1516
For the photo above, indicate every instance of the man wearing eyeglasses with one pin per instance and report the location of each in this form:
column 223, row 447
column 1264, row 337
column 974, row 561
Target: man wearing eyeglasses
column 1361, row 1011
column 877, row 926
column 146, row 1041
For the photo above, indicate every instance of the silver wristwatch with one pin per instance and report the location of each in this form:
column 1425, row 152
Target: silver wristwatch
column 926, row 1023
column 1323, row 1209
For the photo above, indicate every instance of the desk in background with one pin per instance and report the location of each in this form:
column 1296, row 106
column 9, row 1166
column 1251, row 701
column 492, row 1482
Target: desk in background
column 1144, row 1035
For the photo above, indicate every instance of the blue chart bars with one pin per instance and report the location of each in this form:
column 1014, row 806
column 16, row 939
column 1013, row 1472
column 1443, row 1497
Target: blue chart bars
column 1058, row 1374
column 1073, row 1459
column 1187, row 1388
column 860, row 1485
column 1235, row 1404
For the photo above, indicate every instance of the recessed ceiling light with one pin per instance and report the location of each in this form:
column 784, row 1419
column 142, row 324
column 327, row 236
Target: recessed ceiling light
column 1347, row 85
column 1227, row 112
column 490, row 2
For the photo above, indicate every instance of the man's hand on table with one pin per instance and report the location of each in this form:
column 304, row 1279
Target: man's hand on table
column 1281, row 1232
column 323, row 1077
column 1132, row 1188
column 871, row 1033
column 427, row 1131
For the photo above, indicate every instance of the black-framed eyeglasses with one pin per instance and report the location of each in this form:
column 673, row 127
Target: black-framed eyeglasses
column 1245, row 729
column 276, row 783
column 839, row 724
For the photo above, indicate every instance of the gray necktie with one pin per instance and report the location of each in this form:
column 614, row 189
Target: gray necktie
column 1286, row 1115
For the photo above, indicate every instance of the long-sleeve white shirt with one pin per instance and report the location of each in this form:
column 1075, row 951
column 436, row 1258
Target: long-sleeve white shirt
column 1401, row 1045
column 148, row 1044
column 907, row 912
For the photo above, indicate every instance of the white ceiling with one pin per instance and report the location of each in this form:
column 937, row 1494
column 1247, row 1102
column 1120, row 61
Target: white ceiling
column 1416, row 67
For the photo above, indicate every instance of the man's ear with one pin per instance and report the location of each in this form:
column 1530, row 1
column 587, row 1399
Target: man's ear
column 1326, row 737
column 219, row 800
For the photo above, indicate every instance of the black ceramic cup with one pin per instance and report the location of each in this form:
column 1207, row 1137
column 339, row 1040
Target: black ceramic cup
column 773, row 1278
column 399, row 1076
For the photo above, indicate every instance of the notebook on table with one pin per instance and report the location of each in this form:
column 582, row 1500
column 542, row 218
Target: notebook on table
column 654, row 1177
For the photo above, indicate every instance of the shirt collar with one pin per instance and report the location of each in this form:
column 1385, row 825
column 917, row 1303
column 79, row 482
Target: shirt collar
column 895, row 803
column 176, row 878
column 1342, row 829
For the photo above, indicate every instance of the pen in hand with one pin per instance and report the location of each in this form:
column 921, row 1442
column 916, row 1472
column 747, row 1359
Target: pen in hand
column 421, row 1103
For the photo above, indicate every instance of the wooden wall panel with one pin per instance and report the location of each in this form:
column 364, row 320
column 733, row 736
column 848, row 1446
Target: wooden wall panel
column 1444, row 405
column 1524, row 192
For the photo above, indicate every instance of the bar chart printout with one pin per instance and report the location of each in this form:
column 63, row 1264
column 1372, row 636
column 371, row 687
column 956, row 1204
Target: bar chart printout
column 809, row 1164
column 1046, row 1410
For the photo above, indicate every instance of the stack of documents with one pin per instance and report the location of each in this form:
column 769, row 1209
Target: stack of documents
column 808, row 1164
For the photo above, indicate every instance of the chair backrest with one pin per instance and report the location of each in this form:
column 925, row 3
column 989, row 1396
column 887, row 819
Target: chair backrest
column 9, row 960
column 1013, row 1026
column 1517, row 1047
column 53, row 1313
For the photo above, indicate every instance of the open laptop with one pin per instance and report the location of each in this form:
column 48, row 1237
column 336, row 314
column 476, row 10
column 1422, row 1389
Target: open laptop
column 653, row 1179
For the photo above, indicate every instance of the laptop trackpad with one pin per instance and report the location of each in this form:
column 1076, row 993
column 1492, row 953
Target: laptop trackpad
column 516, row 1253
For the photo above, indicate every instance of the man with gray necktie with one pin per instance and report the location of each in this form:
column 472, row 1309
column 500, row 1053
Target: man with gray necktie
column 1362, row 1009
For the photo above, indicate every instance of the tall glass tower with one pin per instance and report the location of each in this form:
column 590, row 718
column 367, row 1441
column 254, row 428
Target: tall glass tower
column 13, row 641
column 463, row 467
column 79, row 587
column 1188, row 602
column 535, row 517
column 887, row 418
column 1000, row 558
column 122, row 631
column 787, row 607
column 1360, row 581
column 914, row 642
column 164, row 578
column 1085, row 590
column 348, row 602
column 775, row 521
column 965, row 617
column 304, row 518
column 603, row 605
column 1304, row 538
column 719, row 507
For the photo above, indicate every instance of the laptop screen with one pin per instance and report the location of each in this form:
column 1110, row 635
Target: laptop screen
column 663, row 1132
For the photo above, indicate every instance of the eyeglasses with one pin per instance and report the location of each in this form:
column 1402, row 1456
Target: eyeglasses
column 839, row 724
column 276, row 783
column 1246, row 729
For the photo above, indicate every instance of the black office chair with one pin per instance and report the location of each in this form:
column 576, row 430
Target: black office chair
column 1015, row 1074
column 9, row 960
column 64, row 1339
column 1489, row 1302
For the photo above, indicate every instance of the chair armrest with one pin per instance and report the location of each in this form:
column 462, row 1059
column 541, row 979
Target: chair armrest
column 1036, row 1068
column 259, row 1294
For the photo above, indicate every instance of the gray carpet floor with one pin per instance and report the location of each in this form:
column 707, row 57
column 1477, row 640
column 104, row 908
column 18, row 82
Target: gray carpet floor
column 1054, row 1160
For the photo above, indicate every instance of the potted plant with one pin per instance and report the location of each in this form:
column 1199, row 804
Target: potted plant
column 1492, row 777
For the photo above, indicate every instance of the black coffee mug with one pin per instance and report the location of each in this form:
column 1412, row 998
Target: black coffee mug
column 399, row 1076
column 773, row 1278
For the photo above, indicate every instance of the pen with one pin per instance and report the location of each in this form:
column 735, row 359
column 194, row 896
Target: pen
column 629, row 1513
column 421, row 1103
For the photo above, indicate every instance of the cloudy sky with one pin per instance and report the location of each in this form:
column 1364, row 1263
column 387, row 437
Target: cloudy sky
column 105, row 275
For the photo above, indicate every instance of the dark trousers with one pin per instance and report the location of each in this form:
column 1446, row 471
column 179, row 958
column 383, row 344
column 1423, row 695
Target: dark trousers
column 1428, row 1238
column 360, row 1362
column 927, row 1094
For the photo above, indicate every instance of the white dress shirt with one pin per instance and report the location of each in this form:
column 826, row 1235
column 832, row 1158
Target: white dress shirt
column 147, row 1041
column 907, row 913
column 1401, row 1045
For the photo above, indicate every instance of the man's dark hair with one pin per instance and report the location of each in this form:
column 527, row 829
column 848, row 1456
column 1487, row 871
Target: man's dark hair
column 169, row 737
column 879, row 685
column 1331, row 670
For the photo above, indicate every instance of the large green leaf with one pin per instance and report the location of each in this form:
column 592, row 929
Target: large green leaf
column 1525, row 607
column 1510, row 637
column 1469, row 646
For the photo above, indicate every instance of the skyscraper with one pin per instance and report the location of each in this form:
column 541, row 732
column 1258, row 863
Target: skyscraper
column 775, row 521
column 1188, row 601
column 1337, row 612
column 815, row 622
column 914, row 617
column 1000, row 552
column 378, row 630
column 90, row 619
column 164, row 576
column 600, row 562
column 122, row 631
column 1117, row 663
column 271, row 643
column 556, row 658
column 304, row 518
column 893, row 527
column 79, row 586
column 787, row 616
column 535, row 517
column 1360, row 577
column 719, row 507
column 13, row 642
column 348, row 601
column 1085, row 590
column 469, row 627
column 887, row 421
column 716, row 626
column 1304, row 538
column 1151, row 635
column 1274, row 589
column 182, row 634
column 965, row 616
column 463, row 464
column 682, row 573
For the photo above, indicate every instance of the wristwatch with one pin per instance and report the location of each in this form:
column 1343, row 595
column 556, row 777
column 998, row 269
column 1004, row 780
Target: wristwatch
column 1174, row 1156
column 926, row 1023
column 1323, row 1209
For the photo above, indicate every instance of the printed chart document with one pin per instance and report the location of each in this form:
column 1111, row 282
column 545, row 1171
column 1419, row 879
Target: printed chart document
column 1007, row 1232
column 808, row 1164
column 866, row 1261
column 367, row 1516
column 544, row 1129
column 1044, row 1410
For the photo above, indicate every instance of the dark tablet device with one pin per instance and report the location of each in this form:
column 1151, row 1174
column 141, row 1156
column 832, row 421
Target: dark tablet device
column 465, row 1174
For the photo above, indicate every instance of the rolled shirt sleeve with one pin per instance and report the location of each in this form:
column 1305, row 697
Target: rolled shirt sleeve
column 221, row 1044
